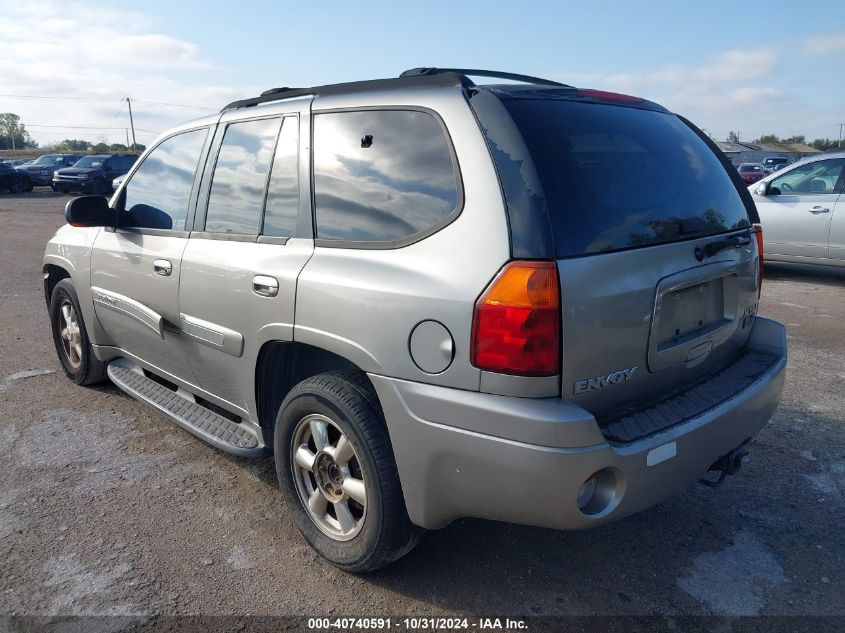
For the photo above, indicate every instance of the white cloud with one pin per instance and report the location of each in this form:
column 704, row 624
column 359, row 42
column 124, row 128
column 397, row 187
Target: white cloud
column 824, row 44
column 733, row 65
column 92, row 53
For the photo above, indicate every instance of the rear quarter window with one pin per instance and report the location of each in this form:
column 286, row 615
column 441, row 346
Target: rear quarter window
column 617, row 177
column 382, row 176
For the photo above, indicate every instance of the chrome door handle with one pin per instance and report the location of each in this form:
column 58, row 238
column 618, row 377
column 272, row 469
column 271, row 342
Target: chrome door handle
column 265, row 286
column 819, row 209
column 162, row 267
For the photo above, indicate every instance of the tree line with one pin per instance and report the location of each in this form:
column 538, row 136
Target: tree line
column 822, row 144
column 14, row 135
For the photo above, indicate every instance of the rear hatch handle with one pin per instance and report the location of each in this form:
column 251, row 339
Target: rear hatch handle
column 715, row 246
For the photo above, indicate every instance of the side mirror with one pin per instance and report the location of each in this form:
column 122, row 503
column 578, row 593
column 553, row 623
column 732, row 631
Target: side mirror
column 90, row 211
column 762, row 189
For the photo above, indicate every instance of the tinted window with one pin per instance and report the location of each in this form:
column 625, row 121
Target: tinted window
column 240, row 177
column 618, row 177
column 821, row 176
column 381, row 175
column 91, row 162
column 158, row 193
column 281, row 210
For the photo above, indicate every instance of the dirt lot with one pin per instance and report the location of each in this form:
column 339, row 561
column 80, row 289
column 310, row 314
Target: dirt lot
column 108, row 508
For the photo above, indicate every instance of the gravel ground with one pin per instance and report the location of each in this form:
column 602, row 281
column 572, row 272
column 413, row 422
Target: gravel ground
column 108, row 508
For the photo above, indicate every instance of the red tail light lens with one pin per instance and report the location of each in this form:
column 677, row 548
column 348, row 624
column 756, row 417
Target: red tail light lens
column 758, row 233
column 516, row 324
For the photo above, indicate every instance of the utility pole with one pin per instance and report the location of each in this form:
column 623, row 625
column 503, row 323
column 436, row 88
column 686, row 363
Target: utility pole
column 126, row 129
column 131, row 122
column 840, row 134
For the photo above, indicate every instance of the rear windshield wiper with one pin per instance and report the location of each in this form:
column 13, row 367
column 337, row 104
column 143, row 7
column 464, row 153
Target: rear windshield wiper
column 714, row 247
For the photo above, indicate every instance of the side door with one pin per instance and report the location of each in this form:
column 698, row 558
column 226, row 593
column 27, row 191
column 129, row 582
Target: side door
column 252, row 236
column 135, row 268
column 796, row 213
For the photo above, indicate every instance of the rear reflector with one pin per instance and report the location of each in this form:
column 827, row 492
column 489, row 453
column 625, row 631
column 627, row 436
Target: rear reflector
column 608, row 96
column 516, row 324
column 758, row 232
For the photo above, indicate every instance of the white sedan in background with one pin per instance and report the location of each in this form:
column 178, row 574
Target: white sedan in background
column 802, row 210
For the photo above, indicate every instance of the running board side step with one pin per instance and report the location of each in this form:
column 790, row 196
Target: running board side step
column 207, row 425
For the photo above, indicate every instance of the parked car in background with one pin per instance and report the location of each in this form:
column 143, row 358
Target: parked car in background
column 751, row 172
column 41, row 170
column 93, row 174
column 13, row 180
column 527, row 303
column 802, row 210
column 774, row 163
column 14, row 162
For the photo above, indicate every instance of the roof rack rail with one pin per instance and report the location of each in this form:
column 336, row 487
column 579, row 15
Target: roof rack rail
column 444, row 79
column 416, row 77
column 478, row 72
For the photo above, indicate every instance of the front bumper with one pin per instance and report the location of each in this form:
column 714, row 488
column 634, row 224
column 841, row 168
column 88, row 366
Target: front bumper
column 521, row 460
column 38, row 178
column 72, row 184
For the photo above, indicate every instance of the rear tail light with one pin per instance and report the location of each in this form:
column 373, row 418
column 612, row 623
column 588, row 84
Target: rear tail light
column 516, row 324
column 758, row 233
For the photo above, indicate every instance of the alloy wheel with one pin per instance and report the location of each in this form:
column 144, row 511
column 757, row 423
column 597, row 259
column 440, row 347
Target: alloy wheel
column 70, row 334
column 328, row 477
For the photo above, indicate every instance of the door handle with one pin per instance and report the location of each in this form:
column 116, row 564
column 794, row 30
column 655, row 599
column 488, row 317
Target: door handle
column 819, row 209
column 162, row 267
column 265, row 286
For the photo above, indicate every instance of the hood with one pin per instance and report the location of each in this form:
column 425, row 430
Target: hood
column 79, row 171
column 35, row 168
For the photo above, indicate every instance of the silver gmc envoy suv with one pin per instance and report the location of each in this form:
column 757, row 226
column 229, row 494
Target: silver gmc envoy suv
column 432, row 299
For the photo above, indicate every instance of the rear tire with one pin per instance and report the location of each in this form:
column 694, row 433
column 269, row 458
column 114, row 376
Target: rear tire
column 71, row 338
column 351, row 509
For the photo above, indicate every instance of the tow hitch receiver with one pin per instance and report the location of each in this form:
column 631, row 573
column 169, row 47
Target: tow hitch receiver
column 726, row 465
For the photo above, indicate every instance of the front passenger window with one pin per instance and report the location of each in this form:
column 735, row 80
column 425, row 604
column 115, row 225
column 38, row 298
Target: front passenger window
column 157, row 195
column 818, row 177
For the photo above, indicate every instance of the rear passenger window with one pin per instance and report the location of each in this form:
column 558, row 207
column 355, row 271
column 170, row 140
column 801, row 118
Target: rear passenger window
column 157, row 195
column 282, row 207
column 240, row 177
column 381, row 175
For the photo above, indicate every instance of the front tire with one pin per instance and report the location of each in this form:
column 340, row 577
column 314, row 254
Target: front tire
column 338, row 475
column 71, row 338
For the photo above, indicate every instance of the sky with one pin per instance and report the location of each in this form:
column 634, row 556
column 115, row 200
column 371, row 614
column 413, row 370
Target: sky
column 752, row 67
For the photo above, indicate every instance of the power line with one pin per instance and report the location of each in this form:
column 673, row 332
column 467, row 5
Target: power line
column 175, row 105
column 87, row 127
column 57, row 98
column 51, row 97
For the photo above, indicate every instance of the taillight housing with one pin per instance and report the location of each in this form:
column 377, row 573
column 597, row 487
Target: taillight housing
column 758, row 234
column 516, row 323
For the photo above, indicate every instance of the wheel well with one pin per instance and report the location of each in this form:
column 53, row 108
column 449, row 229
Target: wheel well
column 52, row 275
column 283, row 365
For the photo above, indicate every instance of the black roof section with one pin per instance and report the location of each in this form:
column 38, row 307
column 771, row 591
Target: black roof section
column 413, row 78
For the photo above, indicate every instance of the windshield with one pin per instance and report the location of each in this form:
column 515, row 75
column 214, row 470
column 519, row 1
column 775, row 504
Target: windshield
column 745, row 168
column 48, row 159
column 90, row 161
column 618, row 177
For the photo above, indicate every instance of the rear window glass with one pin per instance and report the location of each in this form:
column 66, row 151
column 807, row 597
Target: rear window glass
column 619, row 177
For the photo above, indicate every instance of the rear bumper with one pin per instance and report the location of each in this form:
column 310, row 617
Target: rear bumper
column 520, row 460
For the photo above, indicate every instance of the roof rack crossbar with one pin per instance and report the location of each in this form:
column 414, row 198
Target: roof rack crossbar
column 478, row 72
